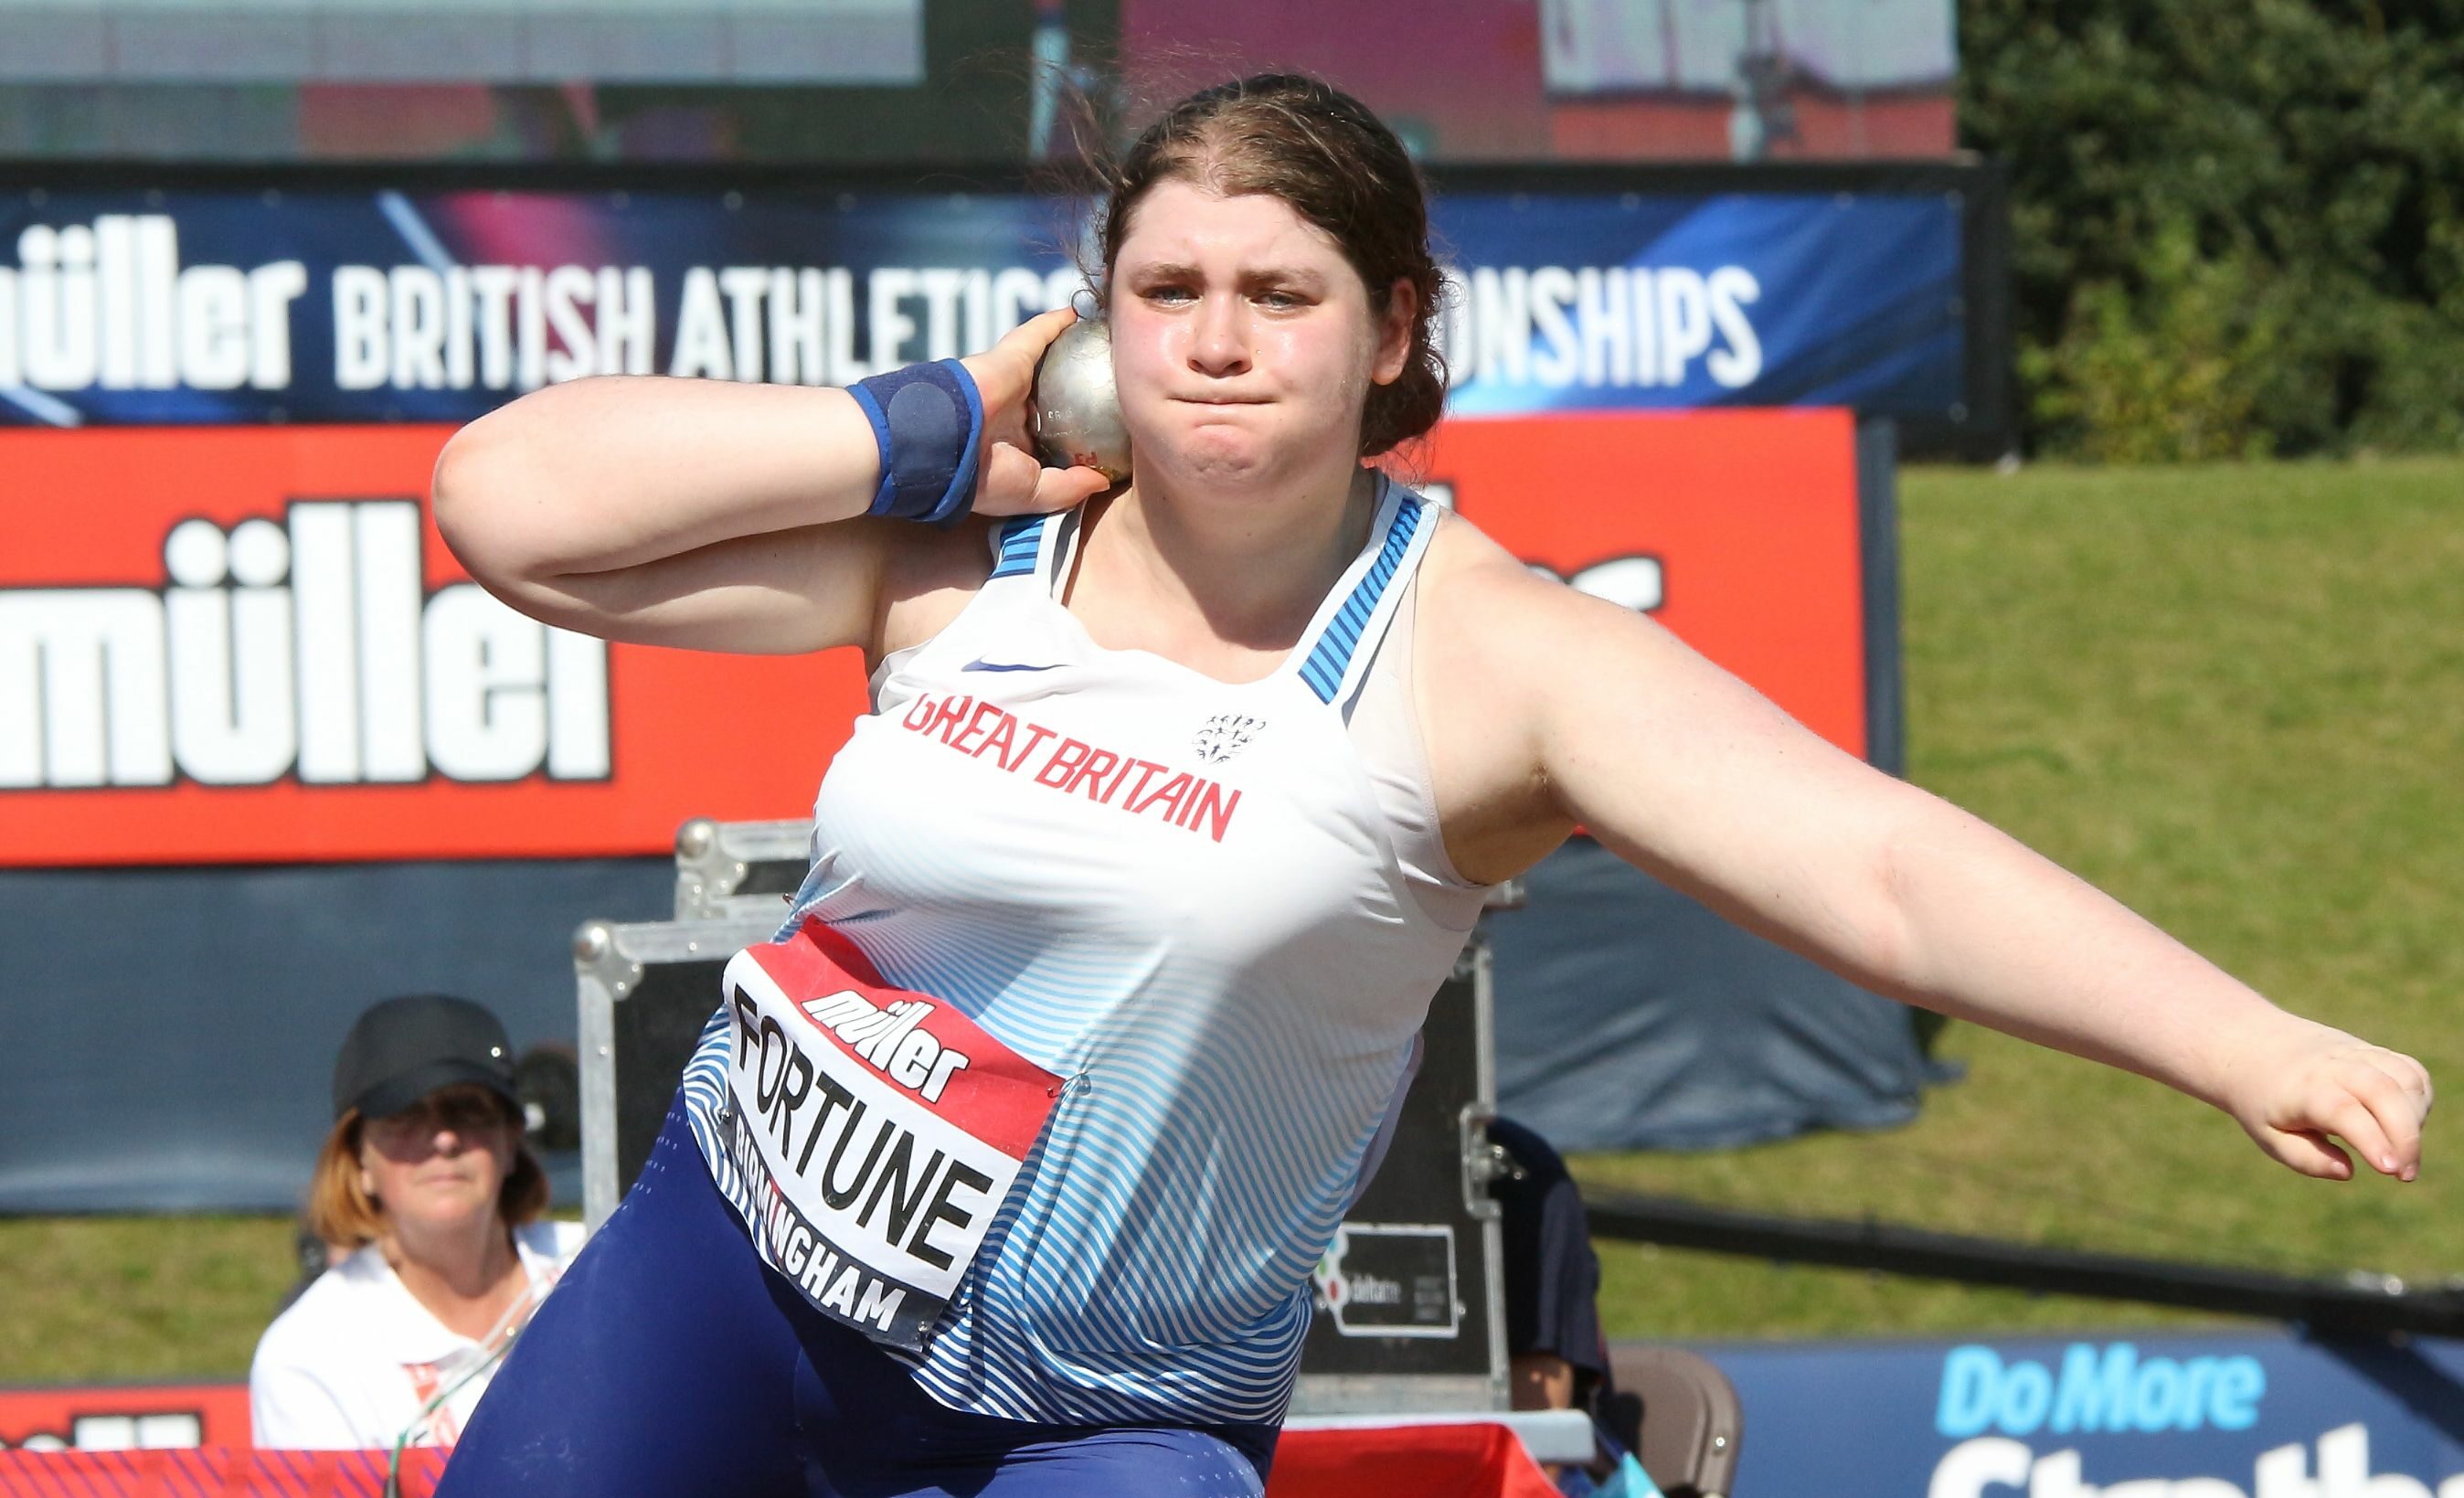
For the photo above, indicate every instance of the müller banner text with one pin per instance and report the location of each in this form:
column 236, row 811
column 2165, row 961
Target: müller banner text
column 247, row 645
column 241, row 307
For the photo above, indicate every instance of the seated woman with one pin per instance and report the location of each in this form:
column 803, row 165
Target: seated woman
column 1558, row 1359
column 426, row 1177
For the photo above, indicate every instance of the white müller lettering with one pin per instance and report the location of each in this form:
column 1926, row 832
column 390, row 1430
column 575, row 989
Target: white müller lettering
column 232, row 722
column 309, row 648
column 891, row 1040
column 82, row 688
column 107, row 305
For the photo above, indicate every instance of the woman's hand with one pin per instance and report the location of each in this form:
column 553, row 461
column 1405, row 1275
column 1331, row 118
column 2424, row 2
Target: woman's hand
column 2295, row 1089
column 1009, row 478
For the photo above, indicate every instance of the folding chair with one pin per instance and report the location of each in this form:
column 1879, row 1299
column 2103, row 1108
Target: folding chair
column 1692, row 1424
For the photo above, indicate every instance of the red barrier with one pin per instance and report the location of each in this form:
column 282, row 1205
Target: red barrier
column 1424, row 1461
column 213, row 1472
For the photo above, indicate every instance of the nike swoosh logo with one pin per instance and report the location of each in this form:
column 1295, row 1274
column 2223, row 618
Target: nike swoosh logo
column 980, row 664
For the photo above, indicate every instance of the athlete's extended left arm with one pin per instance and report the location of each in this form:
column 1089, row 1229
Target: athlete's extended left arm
column 1687, row 772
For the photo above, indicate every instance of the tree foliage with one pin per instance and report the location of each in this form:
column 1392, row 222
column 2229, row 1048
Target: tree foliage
column 2238, row 225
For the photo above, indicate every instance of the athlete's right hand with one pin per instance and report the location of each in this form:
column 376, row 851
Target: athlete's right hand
column 1009, row 478
column 2297, row 1086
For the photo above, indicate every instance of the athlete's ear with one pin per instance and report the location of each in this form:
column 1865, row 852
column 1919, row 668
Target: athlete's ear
column 1395, row 330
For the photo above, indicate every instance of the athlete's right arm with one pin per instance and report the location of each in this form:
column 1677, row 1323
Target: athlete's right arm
column 713, row 514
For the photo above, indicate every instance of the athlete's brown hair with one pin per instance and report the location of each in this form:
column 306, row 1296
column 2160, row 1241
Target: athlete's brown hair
column 1322, row 151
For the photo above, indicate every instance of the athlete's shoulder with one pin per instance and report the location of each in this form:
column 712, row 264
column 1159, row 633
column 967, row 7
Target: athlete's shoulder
column 1468, row 574
column 1507, row 633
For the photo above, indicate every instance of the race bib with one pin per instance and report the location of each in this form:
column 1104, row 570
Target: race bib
column 878, row 1130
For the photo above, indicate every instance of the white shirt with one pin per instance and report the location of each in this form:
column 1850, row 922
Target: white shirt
column 1217, row 909
column 357, row 1359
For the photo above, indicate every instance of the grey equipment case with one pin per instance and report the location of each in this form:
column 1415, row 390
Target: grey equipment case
column 645, row 992
column 728, row 870
column 1409, row 1303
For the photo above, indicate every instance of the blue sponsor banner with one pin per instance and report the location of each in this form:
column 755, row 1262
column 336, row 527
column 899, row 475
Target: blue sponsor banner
column 329, row 304
column 2281, row 1416
column 1625, row 302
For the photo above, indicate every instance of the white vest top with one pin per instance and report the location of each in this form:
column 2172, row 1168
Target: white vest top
column 1219, row 911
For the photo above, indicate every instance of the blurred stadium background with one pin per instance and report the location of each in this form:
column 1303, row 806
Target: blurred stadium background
column 2176, row 598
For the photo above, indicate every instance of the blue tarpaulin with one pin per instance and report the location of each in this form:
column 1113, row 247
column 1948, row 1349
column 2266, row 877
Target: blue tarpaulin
column 167, row 1037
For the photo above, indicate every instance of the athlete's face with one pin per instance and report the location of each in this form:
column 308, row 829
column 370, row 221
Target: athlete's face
column 442, row 1161
column 1243, row 343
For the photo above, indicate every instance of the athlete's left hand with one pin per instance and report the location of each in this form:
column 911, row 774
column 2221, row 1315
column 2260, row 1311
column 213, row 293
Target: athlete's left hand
column 2295, row 1088
column 1009, row 478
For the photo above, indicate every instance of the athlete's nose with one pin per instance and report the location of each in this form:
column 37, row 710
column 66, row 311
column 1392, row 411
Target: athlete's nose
column 1219, row 344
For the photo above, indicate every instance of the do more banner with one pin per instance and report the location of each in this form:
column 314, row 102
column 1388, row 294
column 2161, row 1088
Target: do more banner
column 2255, row 1416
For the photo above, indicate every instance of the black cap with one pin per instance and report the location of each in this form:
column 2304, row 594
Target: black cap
column 404, row 1049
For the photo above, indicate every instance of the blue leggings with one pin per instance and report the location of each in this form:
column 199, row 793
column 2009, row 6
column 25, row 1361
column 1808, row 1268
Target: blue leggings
column 671, row 1360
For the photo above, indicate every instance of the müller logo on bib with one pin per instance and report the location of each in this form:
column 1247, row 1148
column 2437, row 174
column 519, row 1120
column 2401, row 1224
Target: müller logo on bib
column 892, row 1038
column 879, row 1130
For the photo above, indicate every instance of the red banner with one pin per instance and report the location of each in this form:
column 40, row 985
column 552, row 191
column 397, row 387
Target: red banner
column 1425, row 1461
column 1736, row 529
column 142, row 1416
column 247, row 645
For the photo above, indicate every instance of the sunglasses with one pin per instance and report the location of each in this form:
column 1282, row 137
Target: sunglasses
column 466, row 1111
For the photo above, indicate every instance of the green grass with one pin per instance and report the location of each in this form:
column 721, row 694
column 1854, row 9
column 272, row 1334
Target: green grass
column 2232, row 695
column 138, row 1298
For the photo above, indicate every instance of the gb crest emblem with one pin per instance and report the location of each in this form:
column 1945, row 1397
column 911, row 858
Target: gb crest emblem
column 1224, row 734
